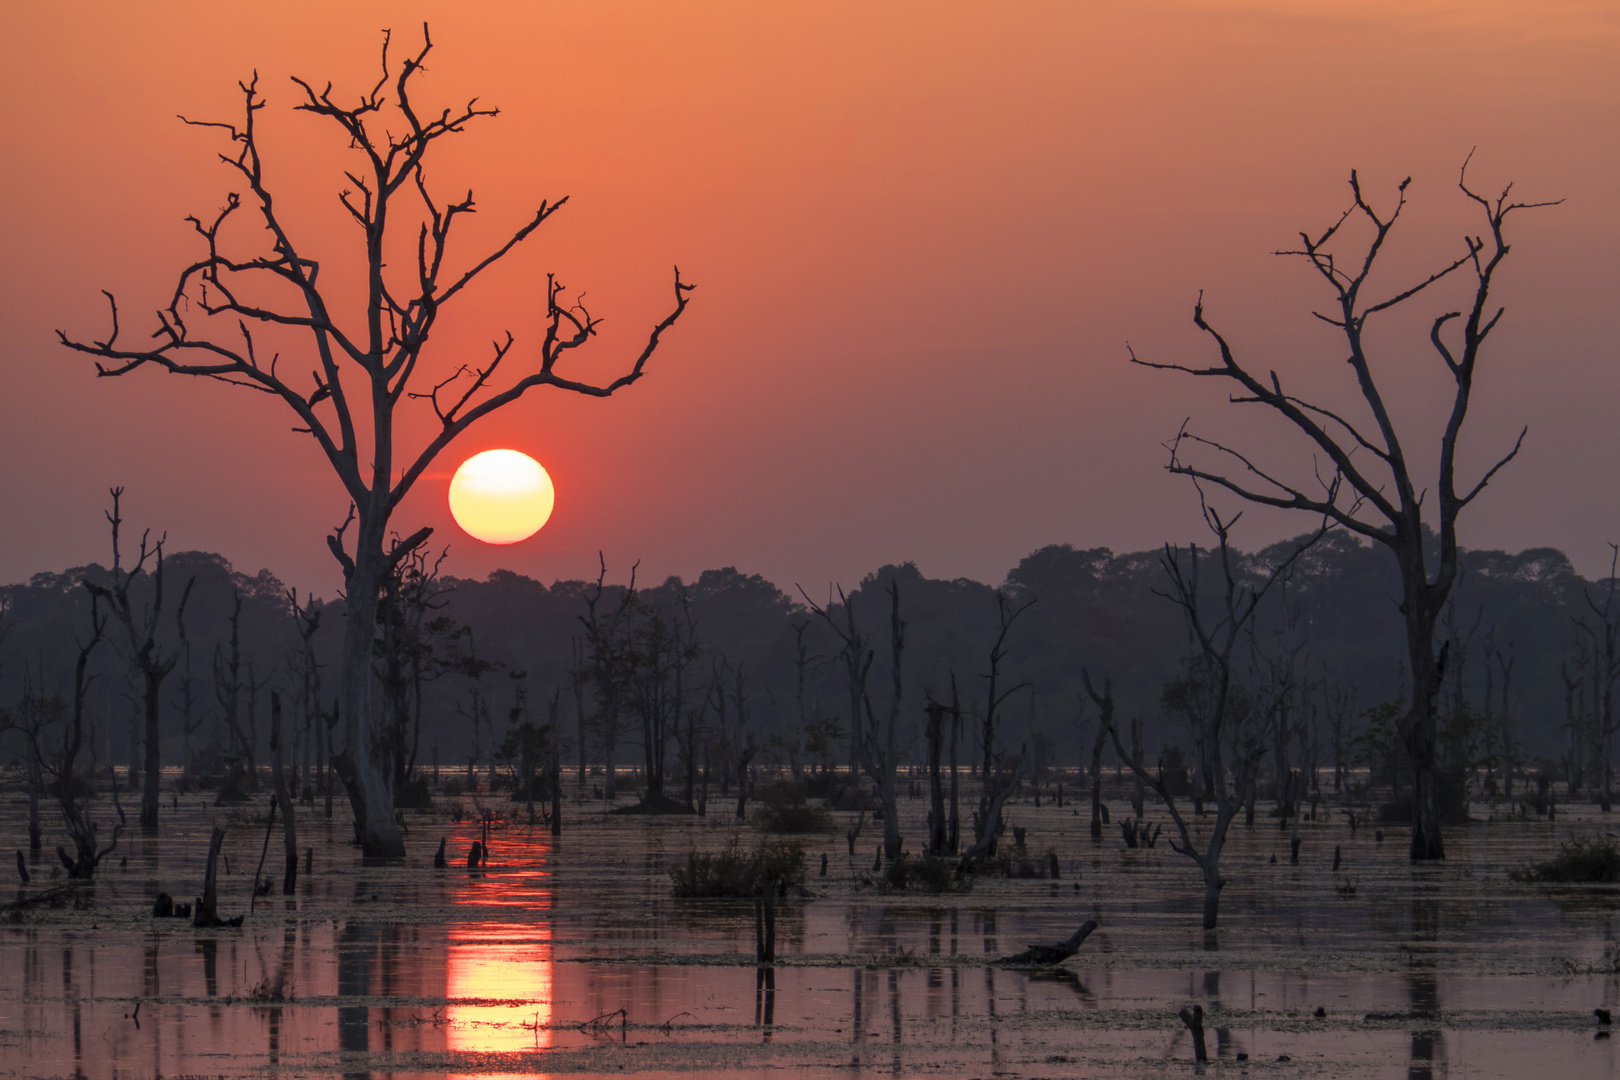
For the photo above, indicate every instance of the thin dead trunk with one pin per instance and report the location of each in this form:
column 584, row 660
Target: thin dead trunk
column 284, row 799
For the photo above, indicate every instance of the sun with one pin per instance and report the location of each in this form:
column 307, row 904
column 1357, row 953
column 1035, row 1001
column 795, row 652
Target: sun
column 501, row 496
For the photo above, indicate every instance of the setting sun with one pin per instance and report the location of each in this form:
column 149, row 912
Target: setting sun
column 501, row 496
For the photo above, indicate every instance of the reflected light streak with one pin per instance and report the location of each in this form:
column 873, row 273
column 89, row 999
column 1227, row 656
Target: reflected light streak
column 498, row 977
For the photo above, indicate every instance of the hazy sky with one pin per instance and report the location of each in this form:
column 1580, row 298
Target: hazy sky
column 922, row 235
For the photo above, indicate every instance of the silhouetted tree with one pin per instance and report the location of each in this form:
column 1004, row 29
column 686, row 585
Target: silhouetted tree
column 365, row 366
column 1235, row 722
column 139, row 622
column 1372, row 490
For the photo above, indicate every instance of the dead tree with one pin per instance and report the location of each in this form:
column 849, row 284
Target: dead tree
column 1341, row 708
column 1006, row 614
column 63, row 766
column 204, row 912
column 1235, row 732
column 876, row 742
column 228, row 692
column 937, row 715
column 607, row 639
column 745, row 747
column 1602, row 631
column 284, row 799
column 1098, row 813
column 554, row 772
column 1373, row 491
column 953, row 825
column 366, row 362
column 140, row 625
column 306, row 672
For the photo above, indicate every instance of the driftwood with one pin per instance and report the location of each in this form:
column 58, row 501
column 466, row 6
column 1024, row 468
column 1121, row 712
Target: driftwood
column 1051, row 954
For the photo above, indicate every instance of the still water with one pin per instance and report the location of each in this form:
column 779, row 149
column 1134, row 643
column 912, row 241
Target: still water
column 569, row 956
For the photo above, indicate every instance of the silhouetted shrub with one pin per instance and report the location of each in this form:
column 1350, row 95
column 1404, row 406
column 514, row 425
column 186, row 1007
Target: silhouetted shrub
column 826, row 785
column 784, row 809
column 731, row 874
column 232, row 790
column 1018, row 863
column 413, row 794
column 925, row 874
column 1581, row 860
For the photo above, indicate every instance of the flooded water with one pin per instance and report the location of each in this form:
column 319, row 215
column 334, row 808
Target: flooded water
column 570, row 957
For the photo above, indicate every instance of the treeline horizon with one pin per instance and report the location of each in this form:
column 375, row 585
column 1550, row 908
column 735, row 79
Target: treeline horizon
column 473, row 660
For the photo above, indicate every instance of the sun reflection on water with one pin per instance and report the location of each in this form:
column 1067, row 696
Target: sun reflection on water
column 498, row 979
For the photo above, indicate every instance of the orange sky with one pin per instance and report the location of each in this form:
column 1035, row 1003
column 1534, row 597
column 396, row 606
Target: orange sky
column 921, row 234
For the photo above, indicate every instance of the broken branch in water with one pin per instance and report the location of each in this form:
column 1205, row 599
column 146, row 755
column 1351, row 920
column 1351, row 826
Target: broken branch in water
column 1054, row 953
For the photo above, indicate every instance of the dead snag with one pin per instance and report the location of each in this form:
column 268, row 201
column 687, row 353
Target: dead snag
column 289, row 822
column 1365, row 481
column 203, row 912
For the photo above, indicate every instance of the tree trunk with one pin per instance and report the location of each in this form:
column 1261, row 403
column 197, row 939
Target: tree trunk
column 1096, row 780
column 36, row 784
column 1422, row 736
column 936, row 789
column 953, row 838
column 204, row 913
column 289, row 826
column 1136, row 757
column 372, row 802
column 1212, row 898
column 891, row 815
column 154, row 760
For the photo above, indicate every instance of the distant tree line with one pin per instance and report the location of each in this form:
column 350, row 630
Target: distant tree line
column 700, row 684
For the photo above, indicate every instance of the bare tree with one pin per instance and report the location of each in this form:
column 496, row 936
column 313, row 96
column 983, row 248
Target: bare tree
column 1372, row 491
column 63, row 766
column 228, row 692
column 222, row 308
column 607, row 639
column 876, row 743
column 989, row 754
column 306, row 672
column 1236, row 727
column 284, row 799
column 140, row 625
column 1602, row 631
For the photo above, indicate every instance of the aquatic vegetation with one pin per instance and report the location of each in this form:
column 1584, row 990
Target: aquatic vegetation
column 1580, row 860
column 733, row 874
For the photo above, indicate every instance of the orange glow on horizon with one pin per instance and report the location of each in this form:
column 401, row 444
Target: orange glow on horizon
column 921, row 234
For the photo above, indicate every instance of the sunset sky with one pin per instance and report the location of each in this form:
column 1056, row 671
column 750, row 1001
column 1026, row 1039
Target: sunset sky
column 922, row 235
